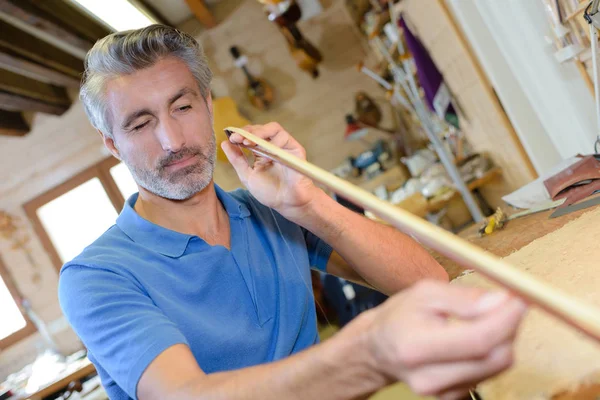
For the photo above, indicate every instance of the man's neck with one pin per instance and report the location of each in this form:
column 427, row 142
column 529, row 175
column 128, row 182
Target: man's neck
column 202, row 215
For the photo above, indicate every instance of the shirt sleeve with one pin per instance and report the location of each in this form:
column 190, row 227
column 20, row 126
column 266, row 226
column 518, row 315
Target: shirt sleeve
column 318, row 250
column 117, row 321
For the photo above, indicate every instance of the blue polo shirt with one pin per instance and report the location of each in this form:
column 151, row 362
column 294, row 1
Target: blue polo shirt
column 141, row 288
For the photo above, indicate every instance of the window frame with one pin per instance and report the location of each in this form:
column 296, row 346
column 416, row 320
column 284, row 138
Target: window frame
column 101, row 170
column 29, row 327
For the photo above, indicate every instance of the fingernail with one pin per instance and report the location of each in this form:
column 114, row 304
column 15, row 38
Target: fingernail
column 491, row 300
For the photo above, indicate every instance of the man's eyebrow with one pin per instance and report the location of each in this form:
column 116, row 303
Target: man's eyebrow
column 180, row 94
column 135, row 115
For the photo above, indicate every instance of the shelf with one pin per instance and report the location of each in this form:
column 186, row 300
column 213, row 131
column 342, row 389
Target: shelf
column 437, row 203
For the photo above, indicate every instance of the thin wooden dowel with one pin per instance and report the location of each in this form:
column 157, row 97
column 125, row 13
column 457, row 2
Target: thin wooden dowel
column 572, row 311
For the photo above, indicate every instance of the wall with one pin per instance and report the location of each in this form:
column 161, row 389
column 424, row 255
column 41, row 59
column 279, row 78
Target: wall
column 499, row 69
column 57, row 148
column 557, row 92
column 488, row 128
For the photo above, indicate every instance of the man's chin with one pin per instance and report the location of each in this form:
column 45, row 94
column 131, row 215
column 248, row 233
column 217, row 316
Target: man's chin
column 184, row 191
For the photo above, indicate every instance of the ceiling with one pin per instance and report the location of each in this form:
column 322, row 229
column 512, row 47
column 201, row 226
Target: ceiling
column 42, row 47
column 174, row 11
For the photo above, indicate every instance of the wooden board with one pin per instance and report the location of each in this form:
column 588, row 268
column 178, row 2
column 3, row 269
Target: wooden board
column 515, row 235
column 549, row 356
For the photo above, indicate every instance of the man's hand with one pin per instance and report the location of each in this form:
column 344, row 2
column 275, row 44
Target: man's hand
column 441, row 339
column 273, row 185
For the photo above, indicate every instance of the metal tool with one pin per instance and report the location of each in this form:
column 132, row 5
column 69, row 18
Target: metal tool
column 546, row 205
column 576, row 207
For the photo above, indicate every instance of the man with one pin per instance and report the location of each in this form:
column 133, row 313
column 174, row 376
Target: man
column 198, row 293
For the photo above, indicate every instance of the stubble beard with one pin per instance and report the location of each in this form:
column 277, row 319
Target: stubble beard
column 183, row 183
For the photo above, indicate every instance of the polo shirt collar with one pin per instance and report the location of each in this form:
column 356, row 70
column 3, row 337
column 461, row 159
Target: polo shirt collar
column 166, row 241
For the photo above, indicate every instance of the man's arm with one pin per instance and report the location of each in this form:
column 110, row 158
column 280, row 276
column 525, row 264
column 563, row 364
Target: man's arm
column 406, row 339
column 366, row 251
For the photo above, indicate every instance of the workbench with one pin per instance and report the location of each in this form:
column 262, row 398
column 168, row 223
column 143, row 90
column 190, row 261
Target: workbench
column 515, row 235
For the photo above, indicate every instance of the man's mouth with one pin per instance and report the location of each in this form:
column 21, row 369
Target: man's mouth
column 183, row 162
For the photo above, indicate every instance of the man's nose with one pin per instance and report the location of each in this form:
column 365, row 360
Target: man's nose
column 170, row 135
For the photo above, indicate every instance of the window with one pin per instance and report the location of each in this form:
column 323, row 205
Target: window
column 77, row 218
column 72, row 215
column 14, row 326
column 124, row 180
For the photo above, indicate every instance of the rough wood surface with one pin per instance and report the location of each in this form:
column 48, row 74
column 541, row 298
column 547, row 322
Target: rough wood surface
column 551, row 357
column 516, row 234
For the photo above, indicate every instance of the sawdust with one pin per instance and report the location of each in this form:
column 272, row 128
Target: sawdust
column 551, row 357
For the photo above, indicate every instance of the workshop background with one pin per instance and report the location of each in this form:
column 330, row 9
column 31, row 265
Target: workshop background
column 416, row 101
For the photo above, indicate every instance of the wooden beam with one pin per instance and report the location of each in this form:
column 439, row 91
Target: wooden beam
column 31, row 48
column 69, row 15
column 13, row 102
column 27, row 87
column 14, row 63
column 147, row 8
column 30, row 16
column 13, row 124
column 202, row 13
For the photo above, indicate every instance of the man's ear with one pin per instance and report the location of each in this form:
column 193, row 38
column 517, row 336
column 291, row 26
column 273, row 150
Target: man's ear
column 109, row 142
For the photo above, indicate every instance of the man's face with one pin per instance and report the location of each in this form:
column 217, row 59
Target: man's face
column 162, row 129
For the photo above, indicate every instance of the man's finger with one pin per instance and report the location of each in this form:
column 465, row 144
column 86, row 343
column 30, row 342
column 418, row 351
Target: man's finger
column 438, row 378
column 471, row 339
column 237, row 159
column 272, row 132
column 460, row 301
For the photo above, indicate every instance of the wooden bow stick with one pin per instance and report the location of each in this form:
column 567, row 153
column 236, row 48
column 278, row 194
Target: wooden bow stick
column 563, row 306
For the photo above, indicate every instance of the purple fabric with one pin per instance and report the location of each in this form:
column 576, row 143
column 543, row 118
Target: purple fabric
column 428, row 74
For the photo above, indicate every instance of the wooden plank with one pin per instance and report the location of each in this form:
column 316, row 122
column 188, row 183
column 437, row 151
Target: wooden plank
column 581, row 316
column 24, row 86
column 33, row 49
column 69, row 15
column 13, row 124
column 584, row 74
column 13, row 102
column 577, row 11
column 18, row 65
column 202, row 13
column 550, row 359
column 516, row 234
column 29, row 15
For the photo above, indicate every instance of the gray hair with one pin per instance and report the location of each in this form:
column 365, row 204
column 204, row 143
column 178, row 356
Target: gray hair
column 123, row 53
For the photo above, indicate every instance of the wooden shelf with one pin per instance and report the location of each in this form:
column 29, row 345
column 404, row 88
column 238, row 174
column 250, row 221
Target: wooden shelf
column 80, row 369
column 439, row 202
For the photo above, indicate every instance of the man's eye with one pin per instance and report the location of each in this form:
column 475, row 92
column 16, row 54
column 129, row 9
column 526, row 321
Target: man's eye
column 184, row 108
column 140, row 126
